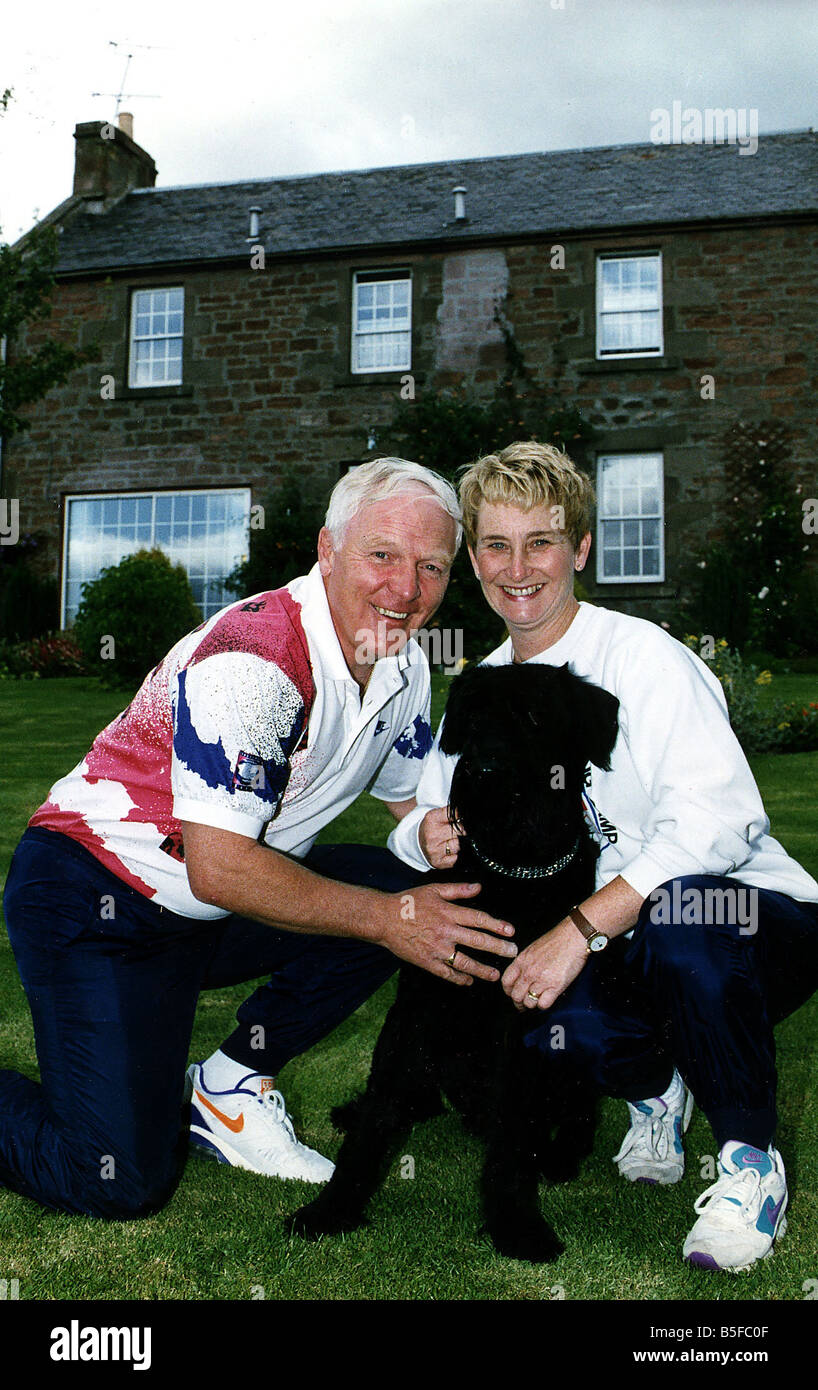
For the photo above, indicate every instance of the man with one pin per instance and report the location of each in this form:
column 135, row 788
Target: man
column 170, row 861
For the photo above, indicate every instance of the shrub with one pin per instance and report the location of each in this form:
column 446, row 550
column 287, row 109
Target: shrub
column 751, row 580
column 286, row 545
column 796, row 727
column 132, row 614
column 28, row 601
column 54, row 654
column 780, row 728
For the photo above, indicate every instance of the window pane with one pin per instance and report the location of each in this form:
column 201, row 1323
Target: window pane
column 629, row 307
column 630, row 516
column 382, row 340
column 156, row 346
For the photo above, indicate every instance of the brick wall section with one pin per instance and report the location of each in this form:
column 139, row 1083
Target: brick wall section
column 475, row 283
column 739, row 305
column 267, row 380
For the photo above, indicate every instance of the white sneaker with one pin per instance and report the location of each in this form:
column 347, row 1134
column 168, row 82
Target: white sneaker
column 652, row 1149
column 249, row 1127
column 742, row 1212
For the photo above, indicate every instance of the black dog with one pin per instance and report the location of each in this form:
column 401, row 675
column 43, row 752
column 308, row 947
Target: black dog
column 524, row 735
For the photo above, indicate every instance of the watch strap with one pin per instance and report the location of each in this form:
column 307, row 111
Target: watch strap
column 581, row 922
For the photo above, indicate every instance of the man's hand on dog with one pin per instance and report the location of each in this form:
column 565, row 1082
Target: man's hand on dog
column 430, row 927
column 439, row 838
column 545, row 968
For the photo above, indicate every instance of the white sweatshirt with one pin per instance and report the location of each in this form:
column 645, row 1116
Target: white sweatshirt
column 680, row 797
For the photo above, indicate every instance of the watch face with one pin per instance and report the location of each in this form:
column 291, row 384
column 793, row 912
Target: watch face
column 598, row 942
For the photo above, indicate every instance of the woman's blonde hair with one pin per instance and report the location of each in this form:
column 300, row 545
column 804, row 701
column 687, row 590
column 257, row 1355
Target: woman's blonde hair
column 529, row 475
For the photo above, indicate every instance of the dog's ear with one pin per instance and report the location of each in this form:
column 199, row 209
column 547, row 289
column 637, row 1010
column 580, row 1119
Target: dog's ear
column 596, row 715
column 460, row 708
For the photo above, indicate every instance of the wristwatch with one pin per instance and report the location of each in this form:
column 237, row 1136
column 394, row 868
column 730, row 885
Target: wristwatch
column 595, row 940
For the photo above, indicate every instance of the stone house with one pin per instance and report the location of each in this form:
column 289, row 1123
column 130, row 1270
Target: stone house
column 252, row 327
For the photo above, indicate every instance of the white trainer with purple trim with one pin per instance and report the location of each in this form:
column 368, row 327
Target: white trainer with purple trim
column 652, row 1150
column 248, row 1127
column 742, row 1212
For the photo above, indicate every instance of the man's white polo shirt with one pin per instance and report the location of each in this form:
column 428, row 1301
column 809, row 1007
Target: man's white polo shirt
column 253, row 724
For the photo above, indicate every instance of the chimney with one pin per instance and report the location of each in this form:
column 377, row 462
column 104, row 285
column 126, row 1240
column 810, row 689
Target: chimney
column 108, row 163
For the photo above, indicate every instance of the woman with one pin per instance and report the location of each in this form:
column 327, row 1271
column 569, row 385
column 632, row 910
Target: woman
column 702, row 932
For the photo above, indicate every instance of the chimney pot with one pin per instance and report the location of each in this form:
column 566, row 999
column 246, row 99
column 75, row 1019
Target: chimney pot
column 126, row 123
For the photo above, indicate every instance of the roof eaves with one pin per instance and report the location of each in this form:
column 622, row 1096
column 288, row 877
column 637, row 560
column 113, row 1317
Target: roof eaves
column 57, row 214
column 438, row 243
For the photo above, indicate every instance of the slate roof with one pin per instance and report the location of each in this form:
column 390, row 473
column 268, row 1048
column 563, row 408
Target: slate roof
column 621, row 186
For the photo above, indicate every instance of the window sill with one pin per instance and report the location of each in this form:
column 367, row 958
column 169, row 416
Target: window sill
column 378, row 378
column 637, row 585
column 154, row 393
column 603, row 366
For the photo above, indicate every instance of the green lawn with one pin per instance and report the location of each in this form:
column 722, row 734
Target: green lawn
column 221, row 1235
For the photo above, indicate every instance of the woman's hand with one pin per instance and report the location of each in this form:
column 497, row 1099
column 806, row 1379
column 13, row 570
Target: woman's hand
column 545, row 968
column 439, row 839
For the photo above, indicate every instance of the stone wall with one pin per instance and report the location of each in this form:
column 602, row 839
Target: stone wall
column 267, row 380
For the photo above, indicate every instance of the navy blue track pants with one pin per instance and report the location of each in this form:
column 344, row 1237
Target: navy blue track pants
column 113, row 981
column 692, row 992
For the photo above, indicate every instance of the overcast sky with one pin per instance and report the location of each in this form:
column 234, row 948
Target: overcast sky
column 274, row 87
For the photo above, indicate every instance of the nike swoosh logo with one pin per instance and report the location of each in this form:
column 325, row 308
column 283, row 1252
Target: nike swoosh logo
column 236, row 1125
column 769, row 1216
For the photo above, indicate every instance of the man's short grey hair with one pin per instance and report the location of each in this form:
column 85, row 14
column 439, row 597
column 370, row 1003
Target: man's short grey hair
column 382, row 478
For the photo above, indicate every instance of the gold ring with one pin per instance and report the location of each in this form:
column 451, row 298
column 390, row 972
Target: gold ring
column 450, row 959
column 532, row 995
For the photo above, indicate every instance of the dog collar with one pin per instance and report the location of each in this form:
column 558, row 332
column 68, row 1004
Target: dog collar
column 535, row 871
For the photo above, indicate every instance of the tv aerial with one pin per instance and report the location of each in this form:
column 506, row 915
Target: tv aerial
column 138, row 96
